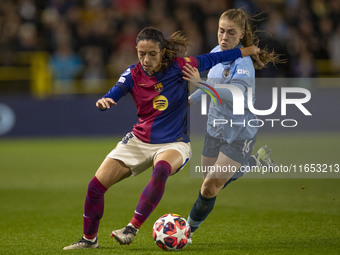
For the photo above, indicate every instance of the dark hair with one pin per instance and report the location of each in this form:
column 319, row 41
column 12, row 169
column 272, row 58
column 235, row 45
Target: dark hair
column 175, row 45
column 242, row 20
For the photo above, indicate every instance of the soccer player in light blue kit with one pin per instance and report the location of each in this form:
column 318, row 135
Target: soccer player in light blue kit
column 230, row 144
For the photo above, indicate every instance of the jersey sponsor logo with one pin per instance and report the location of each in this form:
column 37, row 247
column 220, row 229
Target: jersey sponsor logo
column 226, row 73
column 242, row 71
column 160, row 103
column 121, row 79
column 158, row 87
column 187, row 59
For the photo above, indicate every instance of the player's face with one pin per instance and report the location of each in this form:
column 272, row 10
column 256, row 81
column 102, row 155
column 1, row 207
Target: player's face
column 229, row 34
column 149, row 55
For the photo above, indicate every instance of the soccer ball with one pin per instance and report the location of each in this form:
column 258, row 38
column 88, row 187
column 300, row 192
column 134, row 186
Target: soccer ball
column 171, row 232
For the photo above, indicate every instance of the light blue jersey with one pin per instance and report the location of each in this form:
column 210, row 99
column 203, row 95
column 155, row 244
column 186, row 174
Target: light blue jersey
column 240, row 73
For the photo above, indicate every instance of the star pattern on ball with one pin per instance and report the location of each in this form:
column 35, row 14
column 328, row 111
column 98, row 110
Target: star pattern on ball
column 179, row 234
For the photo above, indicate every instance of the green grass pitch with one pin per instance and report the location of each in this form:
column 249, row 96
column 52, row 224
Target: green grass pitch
column 43, row 184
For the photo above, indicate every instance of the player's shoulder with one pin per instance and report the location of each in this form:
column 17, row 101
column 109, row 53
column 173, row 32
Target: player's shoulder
column 126, row 76
column 216, row 49
column 243, row 65
column 128, row 71
column 246, row 61
column 181, row 61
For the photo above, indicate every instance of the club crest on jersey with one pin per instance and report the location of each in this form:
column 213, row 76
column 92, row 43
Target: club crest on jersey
column 160, row 103
column 158, row 87
column 226, row 73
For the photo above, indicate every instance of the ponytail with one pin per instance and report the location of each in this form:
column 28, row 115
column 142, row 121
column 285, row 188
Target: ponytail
column 242, row 20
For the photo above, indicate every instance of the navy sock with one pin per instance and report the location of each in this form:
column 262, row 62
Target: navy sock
column 252, row 161
column 200, row 211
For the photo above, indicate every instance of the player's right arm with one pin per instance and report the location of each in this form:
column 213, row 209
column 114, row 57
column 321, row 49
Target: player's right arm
column 105, row 103
column 121, row 88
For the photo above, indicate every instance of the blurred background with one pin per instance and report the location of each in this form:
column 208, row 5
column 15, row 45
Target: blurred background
column 58, row 56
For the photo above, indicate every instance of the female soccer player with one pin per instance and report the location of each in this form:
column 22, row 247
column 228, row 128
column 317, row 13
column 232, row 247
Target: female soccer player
column 228, row 145
column 160, row 137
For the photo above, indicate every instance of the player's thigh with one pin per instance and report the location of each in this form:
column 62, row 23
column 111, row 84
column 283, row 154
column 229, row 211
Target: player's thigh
column 239, row 150
column 206, row 162
column 112, row 171
column 173, row 157
column 177, row 154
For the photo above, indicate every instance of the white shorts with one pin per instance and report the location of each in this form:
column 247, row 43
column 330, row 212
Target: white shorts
column 139, row 156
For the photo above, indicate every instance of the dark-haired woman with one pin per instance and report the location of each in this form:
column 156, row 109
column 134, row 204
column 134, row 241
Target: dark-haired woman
column 159, row 139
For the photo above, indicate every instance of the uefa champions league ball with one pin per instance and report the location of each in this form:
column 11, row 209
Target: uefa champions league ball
column 171, row 232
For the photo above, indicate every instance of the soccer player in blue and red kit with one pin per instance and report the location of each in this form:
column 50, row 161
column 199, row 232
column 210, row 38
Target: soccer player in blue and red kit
column 160, row 138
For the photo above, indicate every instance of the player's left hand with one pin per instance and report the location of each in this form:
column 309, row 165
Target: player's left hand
column 254, row 52
column 192, row 75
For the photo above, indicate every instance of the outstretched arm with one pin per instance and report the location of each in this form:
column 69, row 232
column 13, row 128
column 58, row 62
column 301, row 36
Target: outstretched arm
column 105, row 103
column 209, row 60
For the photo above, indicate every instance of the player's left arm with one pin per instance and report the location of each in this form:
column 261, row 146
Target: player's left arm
column 207, row 61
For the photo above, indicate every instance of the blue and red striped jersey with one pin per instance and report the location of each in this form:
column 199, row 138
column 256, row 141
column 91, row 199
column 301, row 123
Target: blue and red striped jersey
column 162, row 98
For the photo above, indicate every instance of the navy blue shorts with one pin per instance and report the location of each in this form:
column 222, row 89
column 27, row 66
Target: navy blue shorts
column 239, row 150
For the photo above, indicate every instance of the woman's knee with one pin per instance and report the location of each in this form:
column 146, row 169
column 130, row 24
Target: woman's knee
column 211, row 187
column 112, row 171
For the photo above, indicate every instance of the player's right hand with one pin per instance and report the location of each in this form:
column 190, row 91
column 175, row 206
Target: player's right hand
column 105, row 103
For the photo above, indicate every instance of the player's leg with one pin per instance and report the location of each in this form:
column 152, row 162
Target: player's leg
column 165, row 164
column 206, row 162
column 212, row 184
column 209, row 157
column 110, row 172
column 262, row 158
column 168, row 160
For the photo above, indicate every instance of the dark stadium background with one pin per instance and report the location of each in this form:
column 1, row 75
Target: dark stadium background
column 97, row 37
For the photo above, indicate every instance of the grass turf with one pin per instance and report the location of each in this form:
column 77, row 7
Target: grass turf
column 43, row 184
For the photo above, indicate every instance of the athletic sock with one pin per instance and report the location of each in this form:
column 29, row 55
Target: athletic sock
column 91, row 240
column 152, row 193
column 200, row 211
column 94, row 208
